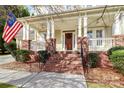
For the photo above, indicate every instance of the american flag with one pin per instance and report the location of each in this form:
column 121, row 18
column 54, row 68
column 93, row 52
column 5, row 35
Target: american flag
column 11, row 28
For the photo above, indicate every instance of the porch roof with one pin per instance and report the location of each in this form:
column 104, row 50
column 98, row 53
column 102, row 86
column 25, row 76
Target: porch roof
column 89, row 11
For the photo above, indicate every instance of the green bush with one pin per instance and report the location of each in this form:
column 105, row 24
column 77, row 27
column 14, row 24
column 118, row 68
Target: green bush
column 43, row 55
column 22, row 55
column 114, row 49
column 12, row 45
column 117, row 59
column 9, row 49
column 93, row 59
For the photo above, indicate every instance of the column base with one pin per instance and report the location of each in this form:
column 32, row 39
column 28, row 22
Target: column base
column 51, row 45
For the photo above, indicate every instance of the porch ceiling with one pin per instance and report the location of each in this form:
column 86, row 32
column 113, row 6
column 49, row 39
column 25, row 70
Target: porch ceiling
column 72, row 22
column 69, row 20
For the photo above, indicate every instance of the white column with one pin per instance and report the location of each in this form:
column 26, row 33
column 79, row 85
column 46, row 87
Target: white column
column 17, row 43
column 48, row 29
column 52, row 29
column 27, row 31
column 79, row 26
column 35, row 34
column 85, row 25
column 76, row 41
column 24, row 31
column 116, row 26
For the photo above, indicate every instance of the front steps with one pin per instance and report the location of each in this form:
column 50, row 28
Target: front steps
column 64, row 62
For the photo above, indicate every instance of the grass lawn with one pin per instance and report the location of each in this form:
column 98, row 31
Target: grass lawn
column 96, row 85
column 4, row 85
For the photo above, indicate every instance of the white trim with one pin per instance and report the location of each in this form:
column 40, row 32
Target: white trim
column 85, row 25
column 79, row 26
column 75, row 40
column 24, row 31
column 27, row 31
column 52, row 28
column 48, row 29
column 63, row 39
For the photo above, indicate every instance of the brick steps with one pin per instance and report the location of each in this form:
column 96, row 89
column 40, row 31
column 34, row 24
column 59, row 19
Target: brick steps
column 65, row 62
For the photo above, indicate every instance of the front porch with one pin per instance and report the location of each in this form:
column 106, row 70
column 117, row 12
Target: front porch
column 63, row 31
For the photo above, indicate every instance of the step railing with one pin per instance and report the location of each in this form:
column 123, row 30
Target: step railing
column 100, row 44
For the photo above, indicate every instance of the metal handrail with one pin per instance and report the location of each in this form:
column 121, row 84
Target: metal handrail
column 84, row 61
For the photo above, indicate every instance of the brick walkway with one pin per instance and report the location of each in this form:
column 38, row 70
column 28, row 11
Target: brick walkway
column 42, row 79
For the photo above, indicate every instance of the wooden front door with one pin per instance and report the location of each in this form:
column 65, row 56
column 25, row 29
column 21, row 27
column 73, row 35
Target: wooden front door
column 68, row 41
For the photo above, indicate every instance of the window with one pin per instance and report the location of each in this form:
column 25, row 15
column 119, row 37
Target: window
column 31, row 35
column 99, row 33
column 90, row 34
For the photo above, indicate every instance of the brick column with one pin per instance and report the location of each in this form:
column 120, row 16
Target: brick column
column 25, row 44
column 85, row 45
column 51, row 45
column 118, row 40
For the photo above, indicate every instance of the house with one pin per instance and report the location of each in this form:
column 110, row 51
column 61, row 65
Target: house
column 103, row 27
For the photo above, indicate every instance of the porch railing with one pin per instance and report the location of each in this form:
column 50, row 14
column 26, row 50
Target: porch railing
column 37, row 45
column 34, row 45
column 100, row 44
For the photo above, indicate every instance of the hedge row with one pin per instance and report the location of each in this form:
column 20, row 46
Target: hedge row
column 114, row 49
column 117, row 58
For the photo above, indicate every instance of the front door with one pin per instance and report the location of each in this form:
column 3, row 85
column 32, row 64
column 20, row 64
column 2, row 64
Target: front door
column 68, row 41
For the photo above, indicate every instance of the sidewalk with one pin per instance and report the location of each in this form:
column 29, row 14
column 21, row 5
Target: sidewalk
column 6, row 59
column 42, row 79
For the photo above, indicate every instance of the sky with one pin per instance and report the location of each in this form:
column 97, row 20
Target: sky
column 45, row 11
column 30, row 8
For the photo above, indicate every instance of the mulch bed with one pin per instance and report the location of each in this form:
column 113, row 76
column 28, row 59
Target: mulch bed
column 49, row 67
column 20, row 66
column 108, row 76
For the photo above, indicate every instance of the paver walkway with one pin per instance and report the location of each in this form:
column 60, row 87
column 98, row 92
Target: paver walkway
column 42, row 79
column 6, row 59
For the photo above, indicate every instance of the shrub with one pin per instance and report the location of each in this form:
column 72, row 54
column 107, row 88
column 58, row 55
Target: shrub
column 117, row 59
column 9, row 49
column 22, row 55
column 12, row 45
column 93, row 59
column 114, row 49
column 44, row 55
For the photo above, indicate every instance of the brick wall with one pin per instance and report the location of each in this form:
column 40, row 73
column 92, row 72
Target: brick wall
column 118, row 40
